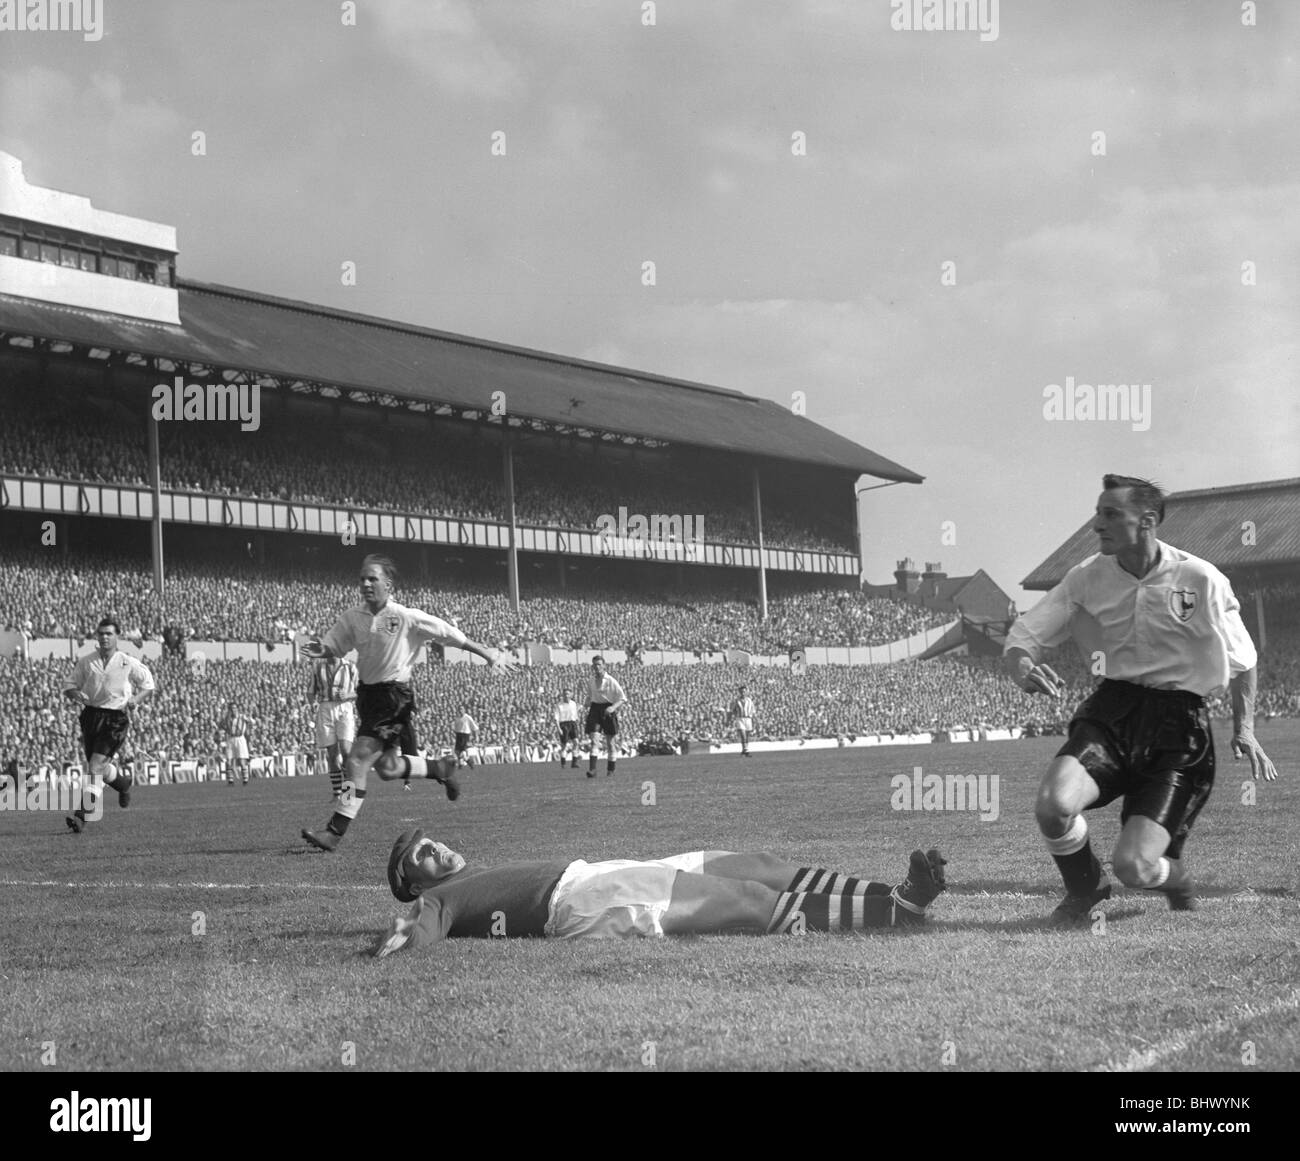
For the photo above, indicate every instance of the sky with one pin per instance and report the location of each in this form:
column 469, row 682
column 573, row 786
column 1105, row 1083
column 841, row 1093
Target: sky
column 921, row 231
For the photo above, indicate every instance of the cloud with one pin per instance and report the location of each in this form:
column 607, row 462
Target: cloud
column 444, row 41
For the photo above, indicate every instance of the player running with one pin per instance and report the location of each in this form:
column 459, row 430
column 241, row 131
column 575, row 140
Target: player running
column 566, row 721
column 700, row 893
column 605, row 698
column 742, row 717
column 333, row 692
column 466, row 731
column 1168, row 629
column 387, row 637
column 107, row 684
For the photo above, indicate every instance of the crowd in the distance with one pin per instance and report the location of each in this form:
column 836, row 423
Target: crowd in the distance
column 48, row 595
column 428, row 468
column 667, row 703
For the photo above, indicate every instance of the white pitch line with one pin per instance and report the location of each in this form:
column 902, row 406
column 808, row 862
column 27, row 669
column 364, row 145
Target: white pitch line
column 1181, row 1041
column 120, row 885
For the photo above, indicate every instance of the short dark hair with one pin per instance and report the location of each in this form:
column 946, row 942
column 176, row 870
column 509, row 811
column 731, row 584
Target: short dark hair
column 117, row 627
column 384, row 562
column 599, row 658
column 1144, row 493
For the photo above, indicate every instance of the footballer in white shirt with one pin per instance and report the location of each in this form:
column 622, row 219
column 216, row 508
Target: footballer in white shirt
column 388, row 638
column 1167, row 628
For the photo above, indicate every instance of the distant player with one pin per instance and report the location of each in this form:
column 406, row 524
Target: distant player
column 605, row 698
column 333, row 691
column 107, row 684
column 700, row 893
column 1167, row 627
column 234, row 726
column 388, row 638
column 742, row 717
column 566, row 721
column 466, row 731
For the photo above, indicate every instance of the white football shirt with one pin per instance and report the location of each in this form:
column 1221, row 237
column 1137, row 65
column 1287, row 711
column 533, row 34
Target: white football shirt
column 1178, row 627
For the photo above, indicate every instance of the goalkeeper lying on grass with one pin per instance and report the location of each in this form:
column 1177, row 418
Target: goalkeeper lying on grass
column 704, row 892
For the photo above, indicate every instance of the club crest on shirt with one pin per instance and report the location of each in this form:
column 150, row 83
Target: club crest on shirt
column 391, row 624
column 1182, row 603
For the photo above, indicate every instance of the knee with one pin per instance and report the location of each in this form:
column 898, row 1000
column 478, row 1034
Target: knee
column 1050, row 809
column 390, row 766
column 1135, row 869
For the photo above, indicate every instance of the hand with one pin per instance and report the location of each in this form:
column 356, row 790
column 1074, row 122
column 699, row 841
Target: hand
column 503, row 662
column 1040, row 679
column 313, row 649
column 1243, row 742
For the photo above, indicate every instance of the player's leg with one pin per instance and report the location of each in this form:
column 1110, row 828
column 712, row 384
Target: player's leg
column 1067, row 789
column 1158, row 816
column 706, row 903
column 609, row 727
column 773, row 871
column 365, row 752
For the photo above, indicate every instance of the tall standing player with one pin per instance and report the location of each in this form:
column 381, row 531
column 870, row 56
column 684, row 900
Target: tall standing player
column 1169, row 632
column 605, row 697
column 742, row 717
column 107, row 684
column 566, row 721
column 387, row 637
column 333, row 692
column 234, row 727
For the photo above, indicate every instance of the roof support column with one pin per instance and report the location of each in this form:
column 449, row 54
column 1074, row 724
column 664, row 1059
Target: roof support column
column 156, row 529
column 758, row 528
column 512, row 552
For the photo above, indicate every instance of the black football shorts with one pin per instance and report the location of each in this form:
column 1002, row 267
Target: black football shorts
column 103, row 730
column 1151, row 747
column 385, row 711
column 600, row 718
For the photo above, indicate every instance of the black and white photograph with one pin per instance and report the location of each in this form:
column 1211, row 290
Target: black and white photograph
column 650, row 536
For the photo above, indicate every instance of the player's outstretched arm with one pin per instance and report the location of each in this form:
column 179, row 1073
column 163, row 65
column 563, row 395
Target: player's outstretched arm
column 497, row 658
column 1031, row 677
column 1242, row 689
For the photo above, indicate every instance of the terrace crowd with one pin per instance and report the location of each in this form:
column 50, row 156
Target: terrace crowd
column 46, row 596
column 427, row 470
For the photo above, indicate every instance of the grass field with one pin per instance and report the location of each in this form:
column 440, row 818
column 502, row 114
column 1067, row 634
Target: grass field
column 98, row 951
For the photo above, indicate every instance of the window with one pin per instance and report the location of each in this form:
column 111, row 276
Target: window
column 69, row 257
column 108, row 265
column 8, row 245
column 49, row 253
column 125, row 268
column 87, row 261
column 31, row 250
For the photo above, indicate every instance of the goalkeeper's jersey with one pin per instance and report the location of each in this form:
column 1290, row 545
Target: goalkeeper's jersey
column 509, row 900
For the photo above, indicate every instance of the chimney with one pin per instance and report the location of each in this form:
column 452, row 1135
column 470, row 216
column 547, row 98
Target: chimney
column 909, row 580
column 931, row 577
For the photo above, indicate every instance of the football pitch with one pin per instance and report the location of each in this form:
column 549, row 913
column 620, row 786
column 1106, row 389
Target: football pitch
column 196, row 931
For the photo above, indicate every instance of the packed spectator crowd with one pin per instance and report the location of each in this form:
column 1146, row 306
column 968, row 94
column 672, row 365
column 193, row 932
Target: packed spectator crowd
column 47, row 595
column 428, row 470
column 667, row 703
